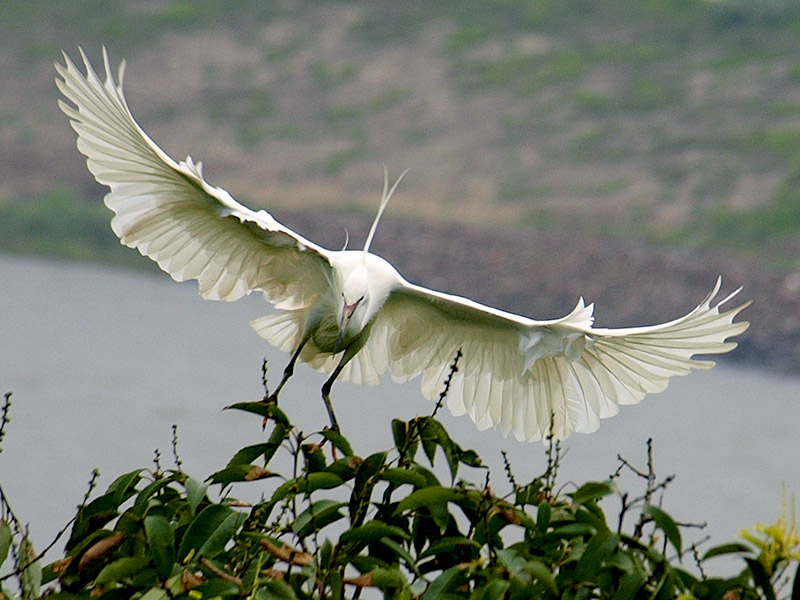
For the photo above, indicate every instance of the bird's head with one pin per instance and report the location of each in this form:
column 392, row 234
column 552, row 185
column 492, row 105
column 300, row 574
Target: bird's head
column 353, row 303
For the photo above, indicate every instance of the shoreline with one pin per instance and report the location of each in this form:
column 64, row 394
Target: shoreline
column 543, row 274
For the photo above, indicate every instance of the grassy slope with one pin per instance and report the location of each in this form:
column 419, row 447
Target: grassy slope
column 671, row 121
column 581, row 125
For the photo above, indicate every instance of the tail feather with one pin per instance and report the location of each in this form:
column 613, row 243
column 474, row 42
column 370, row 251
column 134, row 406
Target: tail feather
column 282, row 329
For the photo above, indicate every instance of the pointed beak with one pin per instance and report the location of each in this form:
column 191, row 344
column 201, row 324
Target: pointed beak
column 347, row 314
column 349, row 309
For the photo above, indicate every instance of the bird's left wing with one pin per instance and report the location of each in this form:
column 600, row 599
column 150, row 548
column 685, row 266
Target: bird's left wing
column 537, row 377
column 169, row 213
column 422, row 331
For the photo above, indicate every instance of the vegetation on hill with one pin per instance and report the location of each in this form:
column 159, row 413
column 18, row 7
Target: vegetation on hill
column 667, row 120
column 423, row 519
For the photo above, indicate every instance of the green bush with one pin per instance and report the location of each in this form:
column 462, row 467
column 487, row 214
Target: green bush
column 339, row 525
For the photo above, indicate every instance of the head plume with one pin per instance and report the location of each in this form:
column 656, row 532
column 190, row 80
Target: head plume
column 387, row 194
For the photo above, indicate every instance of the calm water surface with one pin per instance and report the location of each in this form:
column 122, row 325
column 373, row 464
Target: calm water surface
column 103, row 362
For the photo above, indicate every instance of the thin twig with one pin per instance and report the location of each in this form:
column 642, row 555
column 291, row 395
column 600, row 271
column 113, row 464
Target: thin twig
column 17, row 526
column 447, row 382
column 696, row 555
column 509, row 473
column 264, row 378
column 178, row 462
column 553, row 453
column 157, row 461
column 5, row 419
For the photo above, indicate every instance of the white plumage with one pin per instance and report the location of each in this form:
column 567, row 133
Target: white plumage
column 351, row 314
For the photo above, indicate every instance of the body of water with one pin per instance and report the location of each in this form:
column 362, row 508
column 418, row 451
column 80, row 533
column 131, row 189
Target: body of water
column 103, row 362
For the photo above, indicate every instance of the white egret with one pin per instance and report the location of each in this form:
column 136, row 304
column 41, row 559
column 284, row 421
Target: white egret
column 349, row 313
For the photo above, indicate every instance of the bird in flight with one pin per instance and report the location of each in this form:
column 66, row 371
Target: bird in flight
column 350, row 314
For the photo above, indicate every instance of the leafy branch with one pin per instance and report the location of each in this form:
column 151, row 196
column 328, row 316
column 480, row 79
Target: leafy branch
column 333, row 524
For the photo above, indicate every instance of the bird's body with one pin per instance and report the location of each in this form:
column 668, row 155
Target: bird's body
column 349, row 313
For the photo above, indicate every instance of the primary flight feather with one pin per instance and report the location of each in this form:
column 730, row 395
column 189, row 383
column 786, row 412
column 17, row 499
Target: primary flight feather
column 349, row 313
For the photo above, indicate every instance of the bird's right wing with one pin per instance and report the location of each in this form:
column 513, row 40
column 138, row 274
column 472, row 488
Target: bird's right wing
column 169, row 213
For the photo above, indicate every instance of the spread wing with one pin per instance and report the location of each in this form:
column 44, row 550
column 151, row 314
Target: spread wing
column 524, row 375
column 169, row 213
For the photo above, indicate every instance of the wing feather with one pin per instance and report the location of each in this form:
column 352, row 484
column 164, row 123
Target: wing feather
column 168, row 211
column 522, row 375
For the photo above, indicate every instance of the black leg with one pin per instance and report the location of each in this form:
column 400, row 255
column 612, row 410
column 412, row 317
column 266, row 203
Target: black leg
column 288, row 371
column 326, row 394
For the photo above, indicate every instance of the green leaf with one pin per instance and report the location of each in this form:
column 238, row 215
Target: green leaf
column 648, row 551
column 399, row 433
column 495, row 589
column 732, row 548
column 440, row 513
column 572, row 530
column 240, row 472
column 222, row 535
column 593, row 490
column 402, row 475
column 263, row 409
column 161, row 540
column 761, row 578
column 317, row 516
column 314, row 455
column 249, row 453
column 210, row 531
column 214, row 588
column 92, row 517
column 435, row 433
column 399, row 551
column 155, row 594
column 338, row 440
column 542, row 573
column 307, row 484
column 279, row 435
column 600, row 546
column 543, row 516
column 629, row 586
column 345, row 467
column 369, row 468
column 372, row 531
column 274, row 589
column 121, row 569
column 195, row 492
column 525, row 570
column 511, row 560
column 388, row 578
column 6, row 536
column 156, row 486
column 123, row 487
column 471, row 458
column 447, row 545
column 446, row 580
column 319, row 481
column 427, row 474
column 667, row 525
column 427, row 497
column 31, row 577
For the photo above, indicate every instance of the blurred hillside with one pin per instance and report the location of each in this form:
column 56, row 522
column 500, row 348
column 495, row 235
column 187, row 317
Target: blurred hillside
column 576, row 127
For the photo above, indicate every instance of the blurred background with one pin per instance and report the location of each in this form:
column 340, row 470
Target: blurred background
column 627, row 151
